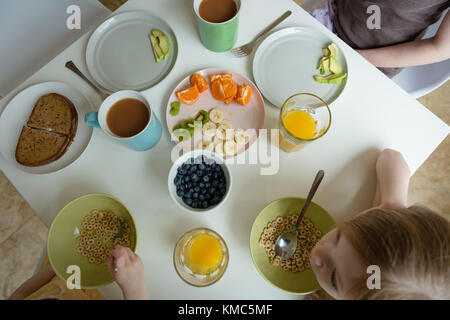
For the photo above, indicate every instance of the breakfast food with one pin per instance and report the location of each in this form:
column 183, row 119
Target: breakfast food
column 37, row 148
column 98, row 235
column 220, row 136
column 160, row 45
column 188, row 96
column 49, row 132
column 329, row 63
column 204, row 253
column 175, row 108
column 200, row 82
column 186, row 129
column 307, row 237
column 201, row 183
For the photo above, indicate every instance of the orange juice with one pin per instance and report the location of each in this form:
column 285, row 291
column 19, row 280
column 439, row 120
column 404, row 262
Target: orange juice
column 205, row 252
column 300, row 124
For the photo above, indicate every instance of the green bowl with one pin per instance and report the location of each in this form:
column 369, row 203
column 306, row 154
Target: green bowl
column 61, row 242
column 294, row 283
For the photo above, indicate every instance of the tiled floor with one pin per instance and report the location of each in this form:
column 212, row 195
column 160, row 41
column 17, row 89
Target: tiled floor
column 22, row 233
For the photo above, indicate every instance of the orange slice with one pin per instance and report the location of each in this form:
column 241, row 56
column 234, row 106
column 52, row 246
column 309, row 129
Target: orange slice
column 244, row 93
column 200, row 82
column 217, row 76
column 224, row 89
column 188, row 96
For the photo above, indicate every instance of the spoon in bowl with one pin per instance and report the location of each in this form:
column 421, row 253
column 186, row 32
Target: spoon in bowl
column 286, row 243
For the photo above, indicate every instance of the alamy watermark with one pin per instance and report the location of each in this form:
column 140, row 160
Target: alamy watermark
column 374, row 280
column 73, row 21
column 374, row 20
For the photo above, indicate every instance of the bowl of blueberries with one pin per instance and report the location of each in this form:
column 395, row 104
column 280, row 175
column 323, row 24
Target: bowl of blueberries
column 199, row 181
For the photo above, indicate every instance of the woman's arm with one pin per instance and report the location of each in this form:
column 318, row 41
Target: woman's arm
column 413, row 53
column 33, row 284
column 392, row 180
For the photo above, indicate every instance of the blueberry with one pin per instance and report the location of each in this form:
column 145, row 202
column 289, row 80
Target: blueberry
column 215, row 200
column 187, row 179
column 186, row 185
column 188, row 202
column 206, row 178
column 201, row 185
column 180, row 193
column 217, row 168
column 203, row 191
column 195, row 195
column 191, row 190
column 207, row 185
column 215, row 183
column 201, row 166
column 215, row 175
column 195, row 203
column 188, row 195
column 189, row 185
column 205, row 204
column 196, row 189
column 194, row 177
column 201, row 197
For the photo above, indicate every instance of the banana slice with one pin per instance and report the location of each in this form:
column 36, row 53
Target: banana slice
column 241, row 137
column 209, row 129
column 230, row 148
column 225, row 133
column 216, row 115
column 226, row 124
column 206, row 145
column 219, row 149
column 217, row 140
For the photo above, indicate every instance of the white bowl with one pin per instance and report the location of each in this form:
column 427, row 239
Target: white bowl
column 184, row 158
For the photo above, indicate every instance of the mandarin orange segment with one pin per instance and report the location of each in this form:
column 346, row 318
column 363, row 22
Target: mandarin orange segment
column 224, row 89
column 217, row 76
column 200, row 82
column 244, row 93
column 188, row 96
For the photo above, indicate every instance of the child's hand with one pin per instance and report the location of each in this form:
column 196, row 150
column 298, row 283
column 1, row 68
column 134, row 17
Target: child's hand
column 130, row 273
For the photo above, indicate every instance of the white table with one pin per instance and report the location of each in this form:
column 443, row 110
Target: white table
column 372, row 114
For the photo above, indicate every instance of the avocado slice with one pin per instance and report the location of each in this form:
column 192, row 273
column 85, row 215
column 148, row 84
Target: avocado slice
column 326, row 52
column 335, row 67
column 156, row 48
column 163, row 41
column 334, row 51
column 332, row 78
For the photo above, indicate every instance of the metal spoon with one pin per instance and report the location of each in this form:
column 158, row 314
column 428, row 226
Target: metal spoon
column 71, row 66
column 287, row 242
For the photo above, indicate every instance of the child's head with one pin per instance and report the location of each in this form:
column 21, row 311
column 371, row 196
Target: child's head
column 411, row 247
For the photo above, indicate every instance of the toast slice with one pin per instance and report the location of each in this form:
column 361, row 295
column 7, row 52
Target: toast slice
column 55, row 113
column 36, row 147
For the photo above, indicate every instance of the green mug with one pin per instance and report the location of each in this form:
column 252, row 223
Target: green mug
column 218, row 37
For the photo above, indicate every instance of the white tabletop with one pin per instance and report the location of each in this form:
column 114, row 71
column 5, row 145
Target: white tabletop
column 372, row 113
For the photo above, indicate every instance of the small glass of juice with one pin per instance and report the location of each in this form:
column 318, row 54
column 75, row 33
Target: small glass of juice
column 200, row 257
column 304, row 118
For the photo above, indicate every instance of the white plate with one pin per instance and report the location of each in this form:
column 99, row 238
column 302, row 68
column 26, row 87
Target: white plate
column 15, row 116
column 286, row 61
column 119, row 54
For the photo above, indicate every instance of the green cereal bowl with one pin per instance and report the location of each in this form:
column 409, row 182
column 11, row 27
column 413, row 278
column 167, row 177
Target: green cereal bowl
column 299, row 283
column 61, row 242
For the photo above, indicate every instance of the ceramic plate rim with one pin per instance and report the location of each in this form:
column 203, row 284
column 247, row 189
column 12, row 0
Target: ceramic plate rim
column 45, row 88
column 281, row 33
column 252, row 253
column 218, row 70
column 95, row 37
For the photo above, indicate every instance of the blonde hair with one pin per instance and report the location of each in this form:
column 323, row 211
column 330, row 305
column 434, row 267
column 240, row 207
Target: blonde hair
column 411, row 247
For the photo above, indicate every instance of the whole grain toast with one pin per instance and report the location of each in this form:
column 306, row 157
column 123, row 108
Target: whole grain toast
column 50, row 130
column 37, row 147
column 54, row 112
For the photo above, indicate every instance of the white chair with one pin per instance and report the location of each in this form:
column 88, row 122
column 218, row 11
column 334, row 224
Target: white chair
column 418, row 81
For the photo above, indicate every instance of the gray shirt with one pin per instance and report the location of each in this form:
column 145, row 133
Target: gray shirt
column 401, row 21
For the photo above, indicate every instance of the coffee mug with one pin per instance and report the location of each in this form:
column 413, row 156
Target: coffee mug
column 218, row 37
column 146, row 139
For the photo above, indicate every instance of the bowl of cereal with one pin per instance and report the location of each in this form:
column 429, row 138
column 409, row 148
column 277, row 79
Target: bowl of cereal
column 293, row 275
column 83, row 233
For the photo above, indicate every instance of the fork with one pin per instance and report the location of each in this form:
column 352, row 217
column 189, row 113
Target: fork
column 246, row 49
column 71, row 66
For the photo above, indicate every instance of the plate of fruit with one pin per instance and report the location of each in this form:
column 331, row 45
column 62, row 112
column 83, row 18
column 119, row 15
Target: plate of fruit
column 216, row 110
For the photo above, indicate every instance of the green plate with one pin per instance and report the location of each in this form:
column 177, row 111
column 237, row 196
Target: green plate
column 294, row 283
column 61, row 242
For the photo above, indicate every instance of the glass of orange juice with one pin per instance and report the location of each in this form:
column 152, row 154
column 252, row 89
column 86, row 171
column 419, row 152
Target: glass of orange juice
column 200, row 257
column 304, row 118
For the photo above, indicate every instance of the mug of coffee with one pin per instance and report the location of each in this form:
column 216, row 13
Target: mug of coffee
column 217, row 23
column 127, row 117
